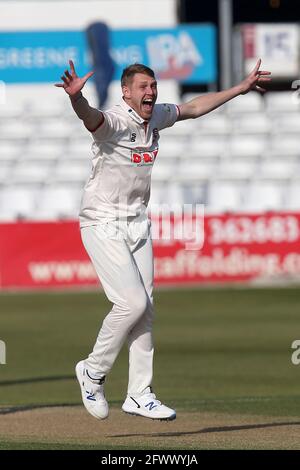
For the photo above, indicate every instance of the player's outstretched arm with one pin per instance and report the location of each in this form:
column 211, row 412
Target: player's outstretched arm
column 72, row 84
column 204, row 104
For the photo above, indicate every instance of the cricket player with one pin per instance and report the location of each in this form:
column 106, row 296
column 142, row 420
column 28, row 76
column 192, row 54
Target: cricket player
column 115, row 229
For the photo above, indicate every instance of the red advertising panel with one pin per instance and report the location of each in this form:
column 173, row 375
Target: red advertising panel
column 43, row 255
column 234, row 248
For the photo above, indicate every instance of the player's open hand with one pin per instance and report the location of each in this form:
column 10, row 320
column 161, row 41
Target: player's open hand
column 255, row 79
column 72, row 84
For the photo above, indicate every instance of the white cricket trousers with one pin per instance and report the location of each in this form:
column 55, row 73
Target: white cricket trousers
column 121, row 253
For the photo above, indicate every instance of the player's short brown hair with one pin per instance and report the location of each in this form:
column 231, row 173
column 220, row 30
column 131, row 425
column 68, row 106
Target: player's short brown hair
column 131, row 70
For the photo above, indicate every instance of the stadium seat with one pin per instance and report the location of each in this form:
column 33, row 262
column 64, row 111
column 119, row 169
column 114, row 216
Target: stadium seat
column 18, row 202
column 79, row 149
column 55, row 129
column 83, row 142
column 287, row 123
column 43, row 151
column 281, row 102
column 33, row 95
column 251, row 124
column 71, row 171
column 58, row 202
column 78, row 129
column 173, row 194
column 171, row 149
column 263, row 196
column 163, row 170
column 45, row 109
column 194, row 193
column 5, row 172
column 217, row 124
column 10, row 151
column 157, row 193
column 31, row 172
column 285, row 145
column 15, row 130
column 223, row 196
column 181, row 128
column 247, row 146
column 292, row 196
column 236, row 169
column 208, row 147
column 191, row 170
column 250, row 103
column 10, row 110
column 277, row 169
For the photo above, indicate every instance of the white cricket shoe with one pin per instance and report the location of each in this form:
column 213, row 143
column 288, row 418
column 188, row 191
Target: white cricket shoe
column 148, row 406
column 92, row 392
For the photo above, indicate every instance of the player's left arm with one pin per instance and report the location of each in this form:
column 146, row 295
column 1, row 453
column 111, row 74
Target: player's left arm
column 204, row 104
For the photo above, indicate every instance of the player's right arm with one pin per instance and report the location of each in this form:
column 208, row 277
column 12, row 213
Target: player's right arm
column 72, row 84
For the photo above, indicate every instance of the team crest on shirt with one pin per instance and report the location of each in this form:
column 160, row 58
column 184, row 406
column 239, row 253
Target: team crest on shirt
column 140, row 158
column 167, row 107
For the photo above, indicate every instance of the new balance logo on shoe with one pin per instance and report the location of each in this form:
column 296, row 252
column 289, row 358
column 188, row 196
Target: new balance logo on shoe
column 148, row 406
column 90, row 396
column 151, row 405
column 92, row 392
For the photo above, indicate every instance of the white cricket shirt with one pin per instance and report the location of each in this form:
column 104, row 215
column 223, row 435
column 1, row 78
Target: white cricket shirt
column 124, row 150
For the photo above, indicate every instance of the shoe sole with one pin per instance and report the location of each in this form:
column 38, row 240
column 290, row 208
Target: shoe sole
column 80, row 380
column 170, row 418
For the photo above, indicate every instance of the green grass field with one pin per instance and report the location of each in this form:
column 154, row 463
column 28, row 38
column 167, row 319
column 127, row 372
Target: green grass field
column 219, row 352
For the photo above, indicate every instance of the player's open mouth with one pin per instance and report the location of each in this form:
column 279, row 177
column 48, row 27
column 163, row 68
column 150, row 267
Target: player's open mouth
column 148, row 104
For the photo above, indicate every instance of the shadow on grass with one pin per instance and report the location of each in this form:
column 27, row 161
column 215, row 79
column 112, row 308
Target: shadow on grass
column 17, row 409
column 212, row 429
column 32, row 380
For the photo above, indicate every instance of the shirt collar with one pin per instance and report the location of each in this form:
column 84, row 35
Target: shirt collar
column 132, row 113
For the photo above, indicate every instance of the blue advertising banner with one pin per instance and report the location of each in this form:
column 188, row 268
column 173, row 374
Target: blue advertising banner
column 40, row 56
column 185, row 53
